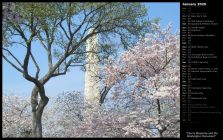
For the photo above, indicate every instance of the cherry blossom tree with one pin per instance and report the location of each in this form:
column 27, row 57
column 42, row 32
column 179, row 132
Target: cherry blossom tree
column 151, row 70
column 72, row 120
column 122, row 117
column 16, row 116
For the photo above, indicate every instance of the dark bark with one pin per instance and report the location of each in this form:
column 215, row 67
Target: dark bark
column 158, row 107
column 104, row 93
column 37, row 110
column 159, row 115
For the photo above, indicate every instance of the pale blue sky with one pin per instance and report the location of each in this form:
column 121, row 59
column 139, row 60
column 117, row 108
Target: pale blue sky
column 13, row 82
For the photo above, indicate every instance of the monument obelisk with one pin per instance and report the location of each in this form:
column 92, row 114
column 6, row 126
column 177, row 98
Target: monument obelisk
column 91, row 92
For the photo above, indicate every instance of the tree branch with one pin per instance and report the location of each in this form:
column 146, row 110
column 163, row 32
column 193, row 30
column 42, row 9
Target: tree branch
column 37, row 66
column 65, row 70
column 41, row 41
column 65, row 32
column 13, row 56
column 104, row 93
column 13, row 65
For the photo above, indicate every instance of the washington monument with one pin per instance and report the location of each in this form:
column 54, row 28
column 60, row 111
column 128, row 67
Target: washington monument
column 91, row 92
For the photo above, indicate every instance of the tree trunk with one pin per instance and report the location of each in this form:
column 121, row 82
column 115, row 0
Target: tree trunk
column 37, row 110
column 37, row 126
column 104, row 93
column 159, row 115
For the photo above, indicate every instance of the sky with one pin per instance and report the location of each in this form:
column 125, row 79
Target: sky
column 14, row 83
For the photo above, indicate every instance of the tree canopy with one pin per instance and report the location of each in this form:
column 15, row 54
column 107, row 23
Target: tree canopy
column 62, row 29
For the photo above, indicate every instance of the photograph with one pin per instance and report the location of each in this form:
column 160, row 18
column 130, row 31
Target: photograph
column 110, row 70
